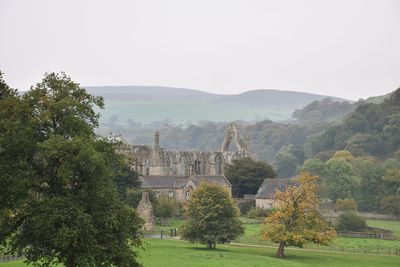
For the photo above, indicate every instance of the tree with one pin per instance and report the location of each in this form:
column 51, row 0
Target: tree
column 246, row 175
column 70, row 211
column 212, row 216
column 347, row 204
column 391, row 205
column 165, row 207
column 339, row 179
column 286, row 165
column 349, row 221
column 297, row 220
column 372, row 186
column 17, row 146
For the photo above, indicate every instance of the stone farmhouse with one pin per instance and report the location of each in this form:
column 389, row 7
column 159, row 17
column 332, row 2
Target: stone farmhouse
column 265, row 194
column 180, row 187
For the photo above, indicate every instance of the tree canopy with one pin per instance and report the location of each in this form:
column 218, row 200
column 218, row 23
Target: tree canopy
column 60, row 180
column 296, row 220
column 211, row 216
column 246, row 175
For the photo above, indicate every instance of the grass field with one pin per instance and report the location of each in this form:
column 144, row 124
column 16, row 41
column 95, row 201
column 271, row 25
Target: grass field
column 253, row 236
column 389, row 225
column 167, row 253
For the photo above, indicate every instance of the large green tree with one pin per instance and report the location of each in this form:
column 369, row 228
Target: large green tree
column 69, row 210
column 246, row 175
column 212, row 216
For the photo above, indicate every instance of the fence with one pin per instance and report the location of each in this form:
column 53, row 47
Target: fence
column 381, row 235
column 376, row 251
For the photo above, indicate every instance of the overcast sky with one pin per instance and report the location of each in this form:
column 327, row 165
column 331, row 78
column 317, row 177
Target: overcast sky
column 346, row 48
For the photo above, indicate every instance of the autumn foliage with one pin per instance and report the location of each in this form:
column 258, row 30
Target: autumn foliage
column 297, row 220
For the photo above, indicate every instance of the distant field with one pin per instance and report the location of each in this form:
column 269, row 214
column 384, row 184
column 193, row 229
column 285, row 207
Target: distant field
column 171, row 253
column 182, row 112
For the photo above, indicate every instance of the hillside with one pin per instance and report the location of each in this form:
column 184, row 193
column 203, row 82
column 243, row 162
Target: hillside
column 179, row 105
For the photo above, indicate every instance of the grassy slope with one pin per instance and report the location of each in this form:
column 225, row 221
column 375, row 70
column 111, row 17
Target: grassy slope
column 181, row 254
column 181, row 112
column 389, row 225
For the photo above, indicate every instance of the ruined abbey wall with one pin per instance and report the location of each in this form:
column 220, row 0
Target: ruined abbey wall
column 154, row 160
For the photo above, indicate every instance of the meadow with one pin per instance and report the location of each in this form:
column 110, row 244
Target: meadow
column 176, row 253
column 251, row 250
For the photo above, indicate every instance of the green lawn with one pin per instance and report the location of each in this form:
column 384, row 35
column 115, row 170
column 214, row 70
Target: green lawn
column 253, row 236
column 389, row 225
column 173, row 253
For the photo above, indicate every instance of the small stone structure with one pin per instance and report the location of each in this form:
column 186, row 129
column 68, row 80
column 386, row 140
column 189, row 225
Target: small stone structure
column 145, row 210
column 265, row 197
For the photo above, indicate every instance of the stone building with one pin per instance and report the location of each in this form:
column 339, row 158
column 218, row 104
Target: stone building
column 265, row 194
column 177, row 173
column 180, row 187
column 157, row 161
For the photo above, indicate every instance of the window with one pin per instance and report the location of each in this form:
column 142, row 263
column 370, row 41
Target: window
column 187, row 194
column 171, row 194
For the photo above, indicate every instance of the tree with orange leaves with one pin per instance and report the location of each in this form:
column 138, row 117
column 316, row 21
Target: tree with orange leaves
column 297, row 220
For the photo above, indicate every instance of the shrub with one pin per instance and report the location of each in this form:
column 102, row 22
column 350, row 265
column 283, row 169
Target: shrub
column 166, row 207
column 349, row 221
column 257, row 212
column 347, row 204
column 246, row 205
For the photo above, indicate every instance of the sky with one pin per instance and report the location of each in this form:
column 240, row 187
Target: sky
column 344, row 48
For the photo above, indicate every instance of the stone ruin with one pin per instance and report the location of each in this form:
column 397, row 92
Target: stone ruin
column 156, row 161
column 145, row 210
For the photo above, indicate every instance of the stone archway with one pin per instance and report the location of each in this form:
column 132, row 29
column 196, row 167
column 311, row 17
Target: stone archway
column 233, row 134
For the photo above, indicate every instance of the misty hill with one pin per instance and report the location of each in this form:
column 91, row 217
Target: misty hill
column 180, row 105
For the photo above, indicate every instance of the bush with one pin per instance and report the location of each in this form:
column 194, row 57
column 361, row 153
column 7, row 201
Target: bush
column 166, row 207
column 257, row 212
column 347, row 204
column 349, row 221
column 246, row 205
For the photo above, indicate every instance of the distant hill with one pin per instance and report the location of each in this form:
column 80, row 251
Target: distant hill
column 180, row 105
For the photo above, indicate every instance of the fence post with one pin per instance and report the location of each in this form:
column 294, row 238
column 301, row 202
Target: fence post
column 161, row 234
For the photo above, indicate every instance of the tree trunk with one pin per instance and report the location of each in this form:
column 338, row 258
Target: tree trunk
column 214, row 245
column 70, row 262
column 281, row 249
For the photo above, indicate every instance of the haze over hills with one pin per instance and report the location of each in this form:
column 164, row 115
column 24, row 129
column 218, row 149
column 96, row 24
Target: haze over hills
column 180, row 105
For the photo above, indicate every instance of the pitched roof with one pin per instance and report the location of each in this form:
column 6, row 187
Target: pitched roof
column 175, row 182
column 268, row 187
column 163, row 181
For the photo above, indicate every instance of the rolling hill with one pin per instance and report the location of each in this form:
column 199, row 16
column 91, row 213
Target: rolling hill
column 180, row 105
